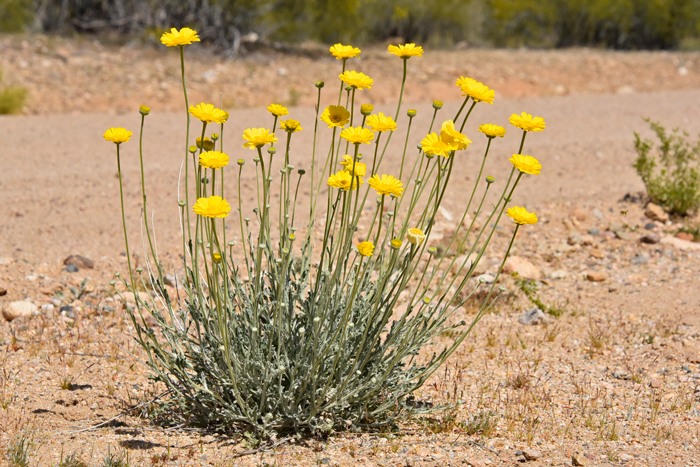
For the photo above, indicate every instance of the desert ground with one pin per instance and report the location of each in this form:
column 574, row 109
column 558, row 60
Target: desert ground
column 613, row 380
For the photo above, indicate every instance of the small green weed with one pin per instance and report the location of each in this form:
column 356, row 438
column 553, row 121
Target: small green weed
column 529, row 288
column 12, row 98
column 114, row 460
column 483, row 423
column 73, row 460
column 19, row 451
column 671, row 173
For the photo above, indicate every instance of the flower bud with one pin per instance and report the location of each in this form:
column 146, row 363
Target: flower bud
column 271, row 150
column 256, row 159
column 490, row 179
column 348, row 88
column 320, row 84
column 396, row 243
column 432, row 250
column 216, row 257
column 193, row 149
column 437, row 105
column 139, row 270
column 207, row 145
column 501, row 289
column 112, row 282
column 240, row 162
column 366, row 109
column 215, row 137
column 231, row 243
column 117, row 274
column 301, row 171
column 415, row 236
column 143, row 110
column 181, row 204
column 412, row 112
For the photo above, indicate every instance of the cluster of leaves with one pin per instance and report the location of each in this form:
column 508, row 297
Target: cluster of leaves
column 620, row 24
column 530, row 289
column 671, row 173
column 300, row 356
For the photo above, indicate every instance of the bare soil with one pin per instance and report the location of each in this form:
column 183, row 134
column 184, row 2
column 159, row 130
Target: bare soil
column 614, row 380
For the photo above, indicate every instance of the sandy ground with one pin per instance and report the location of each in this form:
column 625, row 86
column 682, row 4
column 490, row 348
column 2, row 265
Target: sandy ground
column 614, row 380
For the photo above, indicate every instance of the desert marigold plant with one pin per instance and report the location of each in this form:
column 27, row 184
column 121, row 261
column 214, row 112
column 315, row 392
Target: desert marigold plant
column 295, row 318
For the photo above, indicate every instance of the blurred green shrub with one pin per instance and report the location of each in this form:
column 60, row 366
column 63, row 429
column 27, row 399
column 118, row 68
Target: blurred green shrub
column 15, row 15
column 228, row 23
column 623, row 24
column 12, row 98
column 671, row 172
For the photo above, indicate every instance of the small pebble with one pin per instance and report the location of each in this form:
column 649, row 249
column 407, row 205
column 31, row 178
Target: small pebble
column 650, row 238
column 650, row 226
column 533, row 316
column 72, row 268
column 593, row 231
column 640, row 260
column 597, row 276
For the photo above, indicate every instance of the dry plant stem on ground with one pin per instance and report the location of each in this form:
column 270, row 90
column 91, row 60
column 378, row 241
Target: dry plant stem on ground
column 310, row 338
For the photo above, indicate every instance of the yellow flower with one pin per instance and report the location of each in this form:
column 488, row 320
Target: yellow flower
column 386, row 185
column 343, row 52
column 343, row 180
column 357, row 135
column 415, row 236
column 213, row 159
column 208, row 113
column 117, row 135
column 360, row 168
column 380, row 122
column 366, row 109
column 184, row 36
column 365, row 248
column 526, row 122
column 463, row 81
column 526, row 164
column 449, row 135
column 492, row 130
column 277, row 110
column 208, row 144
column 214, row 206
column 335, row 115
column 396, row 243
column 291, row 126
column 432, row 145
column 355, row 79
column 521, row 216
column 406, row 50
column 478, row 91
column 258, row 137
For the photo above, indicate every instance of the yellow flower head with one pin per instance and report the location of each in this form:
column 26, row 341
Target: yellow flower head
column 357, row 135
column 415, row 236
column 432, row 145
column 208, row 113
column 184, row 36
column 360, row 168
column 277, row 110
column 386, row 185
column 343, row 180
column 526, row 164
column 365, row 248
column 478, row 91
column 406, row 50
column 117, row 135
column 291, row 126
column 521, row 216
column 335, row 115
column 527, row 122
column 452, row 137
column 258, row 137
column 396, row 243
column 208, row 144
column 492, row 130
column 343, row 52
column 380, row 122
column 366, row 109
column 213, row 159
column 214, row 206
column 463, row 81
column 357, row 80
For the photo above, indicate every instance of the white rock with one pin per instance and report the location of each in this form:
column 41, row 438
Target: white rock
column 532, row 316
column 14, row 310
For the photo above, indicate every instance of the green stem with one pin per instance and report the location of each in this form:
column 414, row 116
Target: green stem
column 126, row 238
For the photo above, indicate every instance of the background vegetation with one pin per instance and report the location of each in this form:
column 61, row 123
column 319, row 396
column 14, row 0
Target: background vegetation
column 622, row 24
